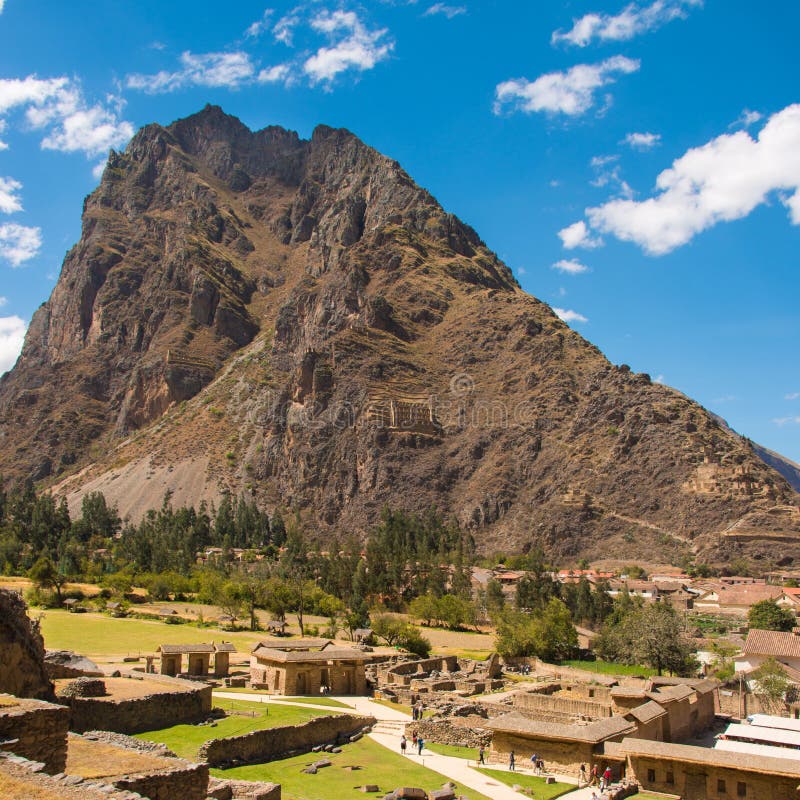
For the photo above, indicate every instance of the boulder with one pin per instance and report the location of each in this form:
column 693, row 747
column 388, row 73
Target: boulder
column 410, row 793
column 66, row 664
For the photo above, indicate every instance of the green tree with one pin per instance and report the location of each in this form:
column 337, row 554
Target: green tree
column 45, row 575
column 772, row 686
column 655, row 636
column 767, row 615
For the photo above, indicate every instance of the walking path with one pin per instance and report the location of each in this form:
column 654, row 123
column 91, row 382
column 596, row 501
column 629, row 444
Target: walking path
column 389, row 729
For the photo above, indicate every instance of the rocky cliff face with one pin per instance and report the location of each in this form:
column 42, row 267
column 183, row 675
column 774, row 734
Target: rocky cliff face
column 22, row 670
column 300, row 321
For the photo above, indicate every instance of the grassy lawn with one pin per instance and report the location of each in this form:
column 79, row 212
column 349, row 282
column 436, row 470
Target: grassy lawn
column 99, row 635
column 375, row 764
column 540, row 789
column 610, row 668
column 453, row 750
column 184, row 740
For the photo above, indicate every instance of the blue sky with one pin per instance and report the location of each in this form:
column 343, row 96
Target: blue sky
column 637, row 165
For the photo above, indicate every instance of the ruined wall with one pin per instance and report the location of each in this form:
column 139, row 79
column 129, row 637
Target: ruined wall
column 21, row 778
column 403, row 673
column 449, row 732
column 243, row 790
column 185, row 781
column 37, row 730
column 266, row 745
column 22, row 671
column 565, row 707
column 140, row 714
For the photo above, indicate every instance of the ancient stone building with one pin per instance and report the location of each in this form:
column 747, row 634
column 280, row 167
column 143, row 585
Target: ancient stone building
column 336, row 670
column 198, row 659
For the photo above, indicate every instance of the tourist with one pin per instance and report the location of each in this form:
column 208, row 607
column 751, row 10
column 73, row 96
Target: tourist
column 481, row 752
column 594, row 774
column 511, row 762
column 420, row 745
column 582, row 777
column 539, row 767
column 403, row 743
column 607, row 776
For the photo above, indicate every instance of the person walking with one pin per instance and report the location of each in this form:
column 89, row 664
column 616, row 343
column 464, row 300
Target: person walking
column 607, row 777
column 420, row 745
column 582, row 777
column 403, row 744
column 481, row 752
column 594, row 774
column 511, row 762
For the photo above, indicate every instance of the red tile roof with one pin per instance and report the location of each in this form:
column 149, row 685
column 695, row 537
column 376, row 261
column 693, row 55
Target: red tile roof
column 779, row 644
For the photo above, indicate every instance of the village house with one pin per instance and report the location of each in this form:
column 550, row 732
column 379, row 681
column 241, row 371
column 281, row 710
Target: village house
column 735, row 600
column 311, row 669
column 760, row 646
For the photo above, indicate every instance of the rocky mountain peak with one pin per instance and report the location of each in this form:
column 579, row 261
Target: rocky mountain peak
column 298, row 320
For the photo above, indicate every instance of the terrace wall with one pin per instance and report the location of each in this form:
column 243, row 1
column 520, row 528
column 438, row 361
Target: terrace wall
column 272, row 743
column 192, row 703
column 38, row 731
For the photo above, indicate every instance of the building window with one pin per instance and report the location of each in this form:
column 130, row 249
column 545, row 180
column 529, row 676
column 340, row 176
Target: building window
column 721, row 786
column 651, row 776
column 741, row 789
column 670, row 777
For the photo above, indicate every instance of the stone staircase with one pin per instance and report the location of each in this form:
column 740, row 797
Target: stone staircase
column 389, row 726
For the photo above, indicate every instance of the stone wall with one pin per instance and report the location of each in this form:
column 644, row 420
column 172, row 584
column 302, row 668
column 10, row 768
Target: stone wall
column 220, row 789
column 558, row 756
column 272, row 743
column 403, row 673
column 184, row 780
column 565, row 707
column 20, row 778
column 22, row 671
column 192, row 703
column 443, row 731
column 38, row 731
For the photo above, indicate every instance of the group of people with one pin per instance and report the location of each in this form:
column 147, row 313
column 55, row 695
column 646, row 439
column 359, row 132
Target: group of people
column 416, row 711
column 537, row 765
column 417, row 743
column 603, row 781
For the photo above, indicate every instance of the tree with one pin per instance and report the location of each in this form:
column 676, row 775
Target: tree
column 45, row 575
column 655, row 638
column 426, row 608
column 550, row 635
column 388, row 628
column 772, row 686
column 767, row 615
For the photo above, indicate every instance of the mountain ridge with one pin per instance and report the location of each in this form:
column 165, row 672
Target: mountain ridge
column 298, row 320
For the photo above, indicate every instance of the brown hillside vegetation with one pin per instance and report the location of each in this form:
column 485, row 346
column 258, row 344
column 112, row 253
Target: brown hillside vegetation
column 298, row 320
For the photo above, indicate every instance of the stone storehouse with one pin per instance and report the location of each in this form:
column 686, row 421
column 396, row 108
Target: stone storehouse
column 335, row 670
column 198, row 659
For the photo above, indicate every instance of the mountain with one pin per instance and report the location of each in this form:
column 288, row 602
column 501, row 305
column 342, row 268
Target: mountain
column 299, row 321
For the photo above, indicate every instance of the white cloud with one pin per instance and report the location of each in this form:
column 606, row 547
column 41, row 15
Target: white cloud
column 445, row 10
column 792, row 396
column 630, row 22
column 723, row 180
column 781, row 421
column 352, row 46
column 215, row 70
column 9, row 199
column 12, row 335
column 3, row 301
column 642, row 141
column 3, row 145
column 19, row 243
column 277, row 74
column 567, row 315
column 571, row 92
column 2, row 3
column 658, row 379
column 607, row 175
column 58, row 106
column 260, row 25
column 746, row 119
column 284, row 28
column 577, row 235
column 570, row 266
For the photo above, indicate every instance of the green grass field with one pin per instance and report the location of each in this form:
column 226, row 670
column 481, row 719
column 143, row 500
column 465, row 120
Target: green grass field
column 539, row 789
column 375, row 764
column 184, row 740
column 100, row 635
column 610, row 668
column 470, row 753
